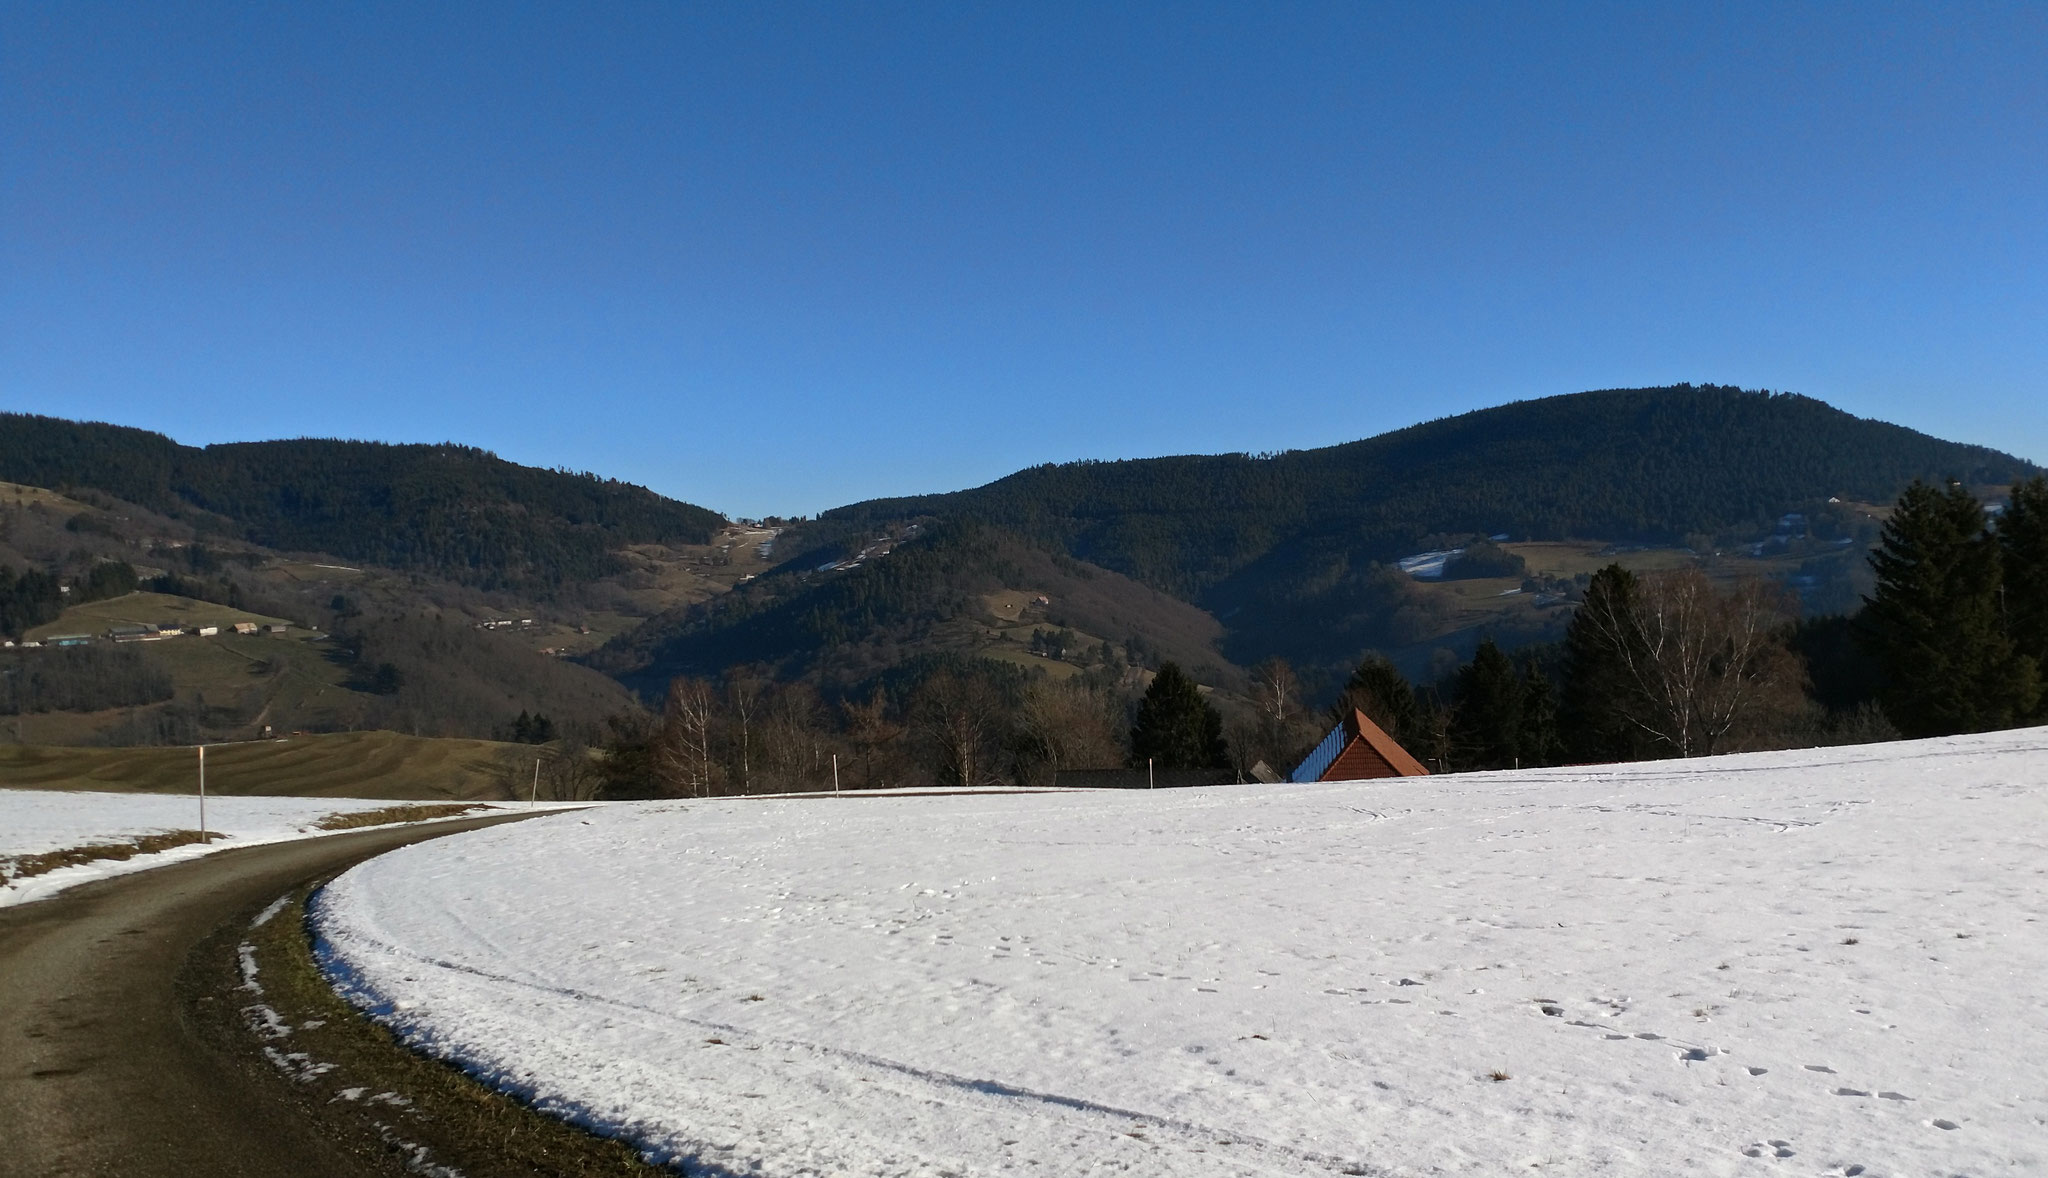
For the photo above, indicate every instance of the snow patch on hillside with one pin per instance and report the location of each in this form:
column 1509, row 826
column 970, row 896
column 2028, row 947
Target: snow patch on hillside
column 1814, row 962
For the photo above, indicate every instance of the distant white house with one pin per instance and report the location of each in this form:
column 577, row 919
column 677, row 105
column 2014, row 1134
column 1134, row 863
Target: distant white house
column 245, row 627
column 207, row 631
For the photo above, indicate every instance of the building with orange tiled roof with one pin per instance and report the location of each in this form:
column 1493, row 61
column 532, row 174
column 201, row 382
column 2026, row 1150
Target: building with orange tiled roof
column 1357, row 750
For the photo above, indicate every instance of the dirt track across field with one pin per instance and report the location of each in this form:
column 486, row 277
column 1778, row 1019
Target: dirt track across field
column 103, row 1067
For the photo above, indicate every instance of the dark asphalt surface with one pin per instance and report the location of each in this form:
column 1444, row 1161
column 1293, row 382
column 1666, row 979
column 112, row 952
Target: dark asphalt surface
column 103, row 1069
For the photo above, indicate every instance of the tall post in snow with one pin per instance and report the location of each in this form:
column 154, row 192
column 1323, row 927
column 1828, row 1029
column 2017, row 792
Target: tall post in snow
column 203, row 836
column 835, row 772
column 534, row 795
column 1148, row 773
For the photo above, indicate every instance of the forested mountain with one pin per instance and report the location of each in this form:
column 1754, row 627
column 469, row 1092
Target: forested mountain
column 1083, row 575
column 1290, row 550
column 1632, row 465
column 931, row 594
column 454, row 511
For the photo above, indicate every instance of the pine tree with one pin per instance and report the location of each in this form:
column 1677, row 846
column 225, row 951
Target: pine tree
column 1486, row 730
column 1597, row 687
column 1934, row 621
column 2023, row 551
column 1176, row 728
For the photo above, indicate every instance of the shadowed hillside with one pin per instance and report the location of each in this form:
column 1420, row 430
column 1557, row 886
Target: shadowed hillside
column 1291, row 551
column 453, row 511
column 1633, row 465
column 959, row 587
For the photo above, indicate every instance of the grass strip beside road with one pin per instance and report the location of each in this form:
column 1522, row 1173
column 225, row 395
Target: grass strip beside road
column 366, row 1084
column 20, row 867
column 16, row 868
column 385, row 816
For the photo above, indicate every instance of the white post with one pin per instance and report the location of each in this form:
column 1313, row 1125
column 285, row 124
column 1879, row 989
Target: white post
column 534, row 796
column 835, row 772
column 203, row 836
column 1148, row 773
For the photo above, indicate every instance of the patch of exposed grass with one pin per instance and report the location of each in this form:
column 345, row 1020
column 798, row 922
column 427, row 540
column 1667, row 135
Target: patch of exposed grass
column 368, row 764
column 386, row 815
column 21, row 867
column 353, row 1070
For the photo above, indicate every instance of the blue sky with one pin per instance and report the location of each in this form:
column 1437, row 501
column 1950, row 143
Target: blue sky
column 773, row 258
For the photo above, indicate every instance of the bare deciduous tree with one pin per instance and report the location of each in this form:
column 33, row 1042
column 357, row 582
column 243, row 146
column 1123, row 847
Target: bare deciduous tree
column 744, row 688
column 1067, row 725
column 958, row 719
column 871, row 732
column 793, row 740
column 1278, row 726
column 683, row 745
column 1701, row 666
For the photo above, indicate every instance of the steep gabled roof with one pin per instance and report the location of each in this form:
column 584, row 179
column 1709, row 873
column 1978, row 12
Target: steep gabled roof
column 1386, row 746
column 1357, row 749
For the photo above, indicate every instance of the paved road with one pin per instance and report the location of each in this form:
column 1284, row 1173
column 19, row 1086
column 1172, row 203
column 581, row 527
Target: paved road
column 101, row 1068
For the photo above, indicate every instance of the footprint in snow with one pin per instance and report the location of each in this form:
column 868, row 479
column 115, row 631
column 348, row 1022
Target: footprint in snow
column 1819, row 1067
column 1945, row 1124
column 1775, row 1147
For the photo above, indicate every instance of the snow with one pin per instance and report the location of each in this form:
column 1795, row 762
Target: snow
column 1428, row 566
column 1812, row 962
column 34, row 821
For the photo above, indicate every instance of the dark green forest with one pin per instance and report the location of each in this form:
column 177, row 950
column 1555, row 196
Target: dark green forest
column 452, row 511
column 34, row 597
column 1254, row 538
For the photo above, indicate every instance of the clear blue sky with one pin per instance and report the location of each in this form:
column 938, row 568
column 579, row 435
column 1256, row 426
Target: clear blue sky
column 773, row 258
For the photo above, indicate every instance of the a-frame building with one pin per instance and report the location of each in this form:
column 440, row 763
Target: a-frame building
column 1357, row 750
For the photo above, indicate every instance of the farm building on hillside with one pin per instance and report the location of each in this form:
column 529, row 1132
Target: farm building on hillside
column 1357, row 750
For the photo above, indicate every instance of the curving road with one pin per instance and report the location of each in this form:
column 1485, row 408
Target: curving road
column 103, row 1068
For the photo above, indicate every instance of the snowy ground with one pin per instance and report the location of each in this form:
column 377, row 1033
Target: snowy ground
column 1819, row 962
column 33, row 821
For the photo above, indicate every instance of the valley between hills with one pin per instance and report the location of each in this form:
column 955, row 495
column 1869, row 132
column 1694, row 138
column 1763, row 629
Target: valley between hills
column 440, row 593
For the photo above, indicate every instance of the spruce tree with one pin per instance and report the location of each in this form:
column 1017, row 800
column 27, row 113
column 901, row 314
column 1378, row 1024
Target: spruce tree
column 1597, row 686
column 1378, row 689
column 1935, row 624
column 1486, row 728
column 1176, row 728
column 1541, row 743
column 2023, row 552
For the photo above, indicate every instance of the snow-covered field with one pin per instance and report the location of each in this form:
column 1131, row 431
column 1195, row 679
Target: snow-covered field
column 1816, row 962
column 35, row 821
